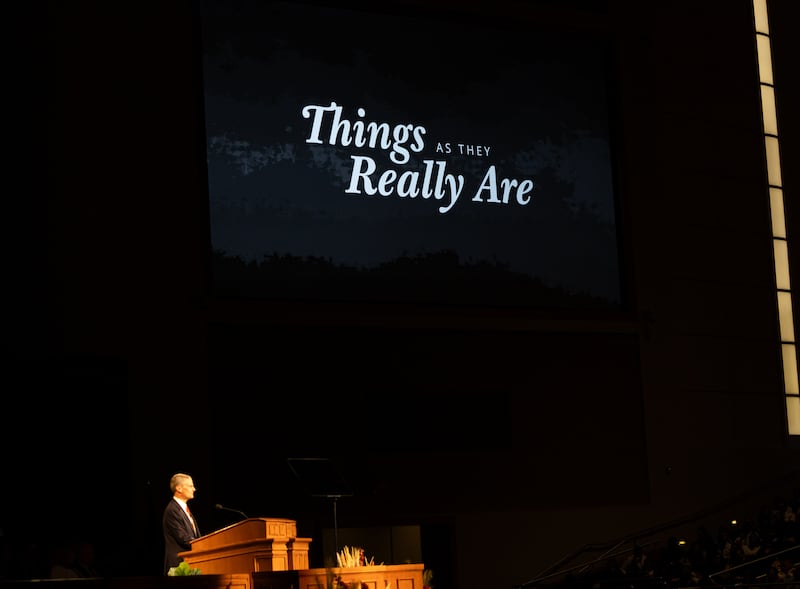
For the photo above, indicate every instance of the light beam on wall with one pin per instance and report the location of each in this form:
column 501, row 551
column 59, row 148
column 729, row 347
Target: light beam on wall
column 780, row 239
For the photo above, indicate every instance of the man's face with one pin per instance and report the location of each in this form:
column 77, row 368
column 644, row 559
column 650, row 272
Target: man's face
column 186, row 489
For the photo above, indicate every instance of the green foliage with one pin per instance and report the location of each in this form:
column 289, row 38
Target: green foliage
column 183, row 570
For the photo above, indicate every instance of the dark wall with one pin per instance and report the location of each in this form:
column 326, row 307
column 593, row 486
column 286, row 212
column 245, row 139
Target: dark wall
column 466, row 407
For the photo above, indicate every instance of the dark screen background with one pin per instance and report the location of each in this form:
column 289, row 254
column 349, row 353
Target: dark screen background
column 282, row 223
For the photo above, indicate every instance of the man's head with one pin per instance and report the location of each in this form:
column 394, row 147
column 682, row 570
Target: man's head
column 182, row 486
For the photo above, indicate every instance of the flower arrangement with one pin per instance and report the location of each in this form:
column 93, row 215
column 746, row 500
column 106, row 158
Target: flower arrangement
column 350, row 557
column 353, row 557
column 183, row 570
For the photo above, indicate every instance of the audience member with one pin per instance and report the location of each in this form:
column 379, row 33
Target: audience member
column 636, row 564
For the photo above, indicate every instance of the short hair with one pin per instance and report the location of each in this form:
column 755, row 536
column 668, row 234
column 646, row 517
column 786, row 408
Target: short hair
column 178, row 478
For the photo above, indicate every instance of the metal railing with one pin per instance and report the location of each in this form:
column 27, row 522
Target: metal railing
column 562, row 570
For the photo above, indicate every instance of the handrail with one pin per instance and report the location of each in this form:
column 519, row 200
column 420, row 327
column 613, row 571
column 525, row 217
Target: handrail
column 636, row 537
column 567, row 558
column 603, row 556
column 748, row 563
column 583, row 566
column 745, row 585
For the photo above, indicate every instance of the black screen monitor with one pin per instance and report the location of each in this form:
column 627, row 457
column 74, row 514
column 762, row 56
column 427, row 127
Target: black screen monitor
column 402, row 155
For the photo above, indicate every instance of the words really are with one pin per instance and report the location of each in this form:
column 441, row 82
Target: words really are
column 432, row 181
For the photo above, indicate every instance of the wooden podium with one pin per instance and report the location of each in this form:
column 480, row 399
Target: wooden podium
column 401, row 576
column 265, row 553
column 253, row 545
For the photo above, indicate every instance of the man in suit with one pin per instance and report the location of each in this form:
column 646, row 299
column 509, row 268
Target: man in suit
column 180, row 527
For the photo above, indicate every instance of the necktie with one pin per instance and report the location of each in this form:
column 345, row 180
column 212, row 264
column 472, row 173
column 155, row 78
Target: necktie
column 191, row 519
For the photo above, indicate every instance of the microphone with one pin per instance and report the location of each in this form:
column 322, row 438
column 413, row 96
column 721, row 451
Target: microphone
column 223, row 508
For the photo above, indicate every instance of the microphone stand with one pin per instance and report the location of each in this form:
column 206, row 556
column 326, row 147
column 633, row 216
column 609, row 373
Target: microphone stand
column 321, row 479
column 334, row 499
column 223, row 508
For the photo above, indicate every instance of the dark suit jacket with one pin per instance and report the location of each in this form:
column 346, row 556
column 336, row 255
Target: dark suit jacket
column 178, row 532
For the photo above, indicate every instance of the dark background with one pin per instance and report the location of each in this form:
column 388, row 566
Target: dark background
column 551, row 429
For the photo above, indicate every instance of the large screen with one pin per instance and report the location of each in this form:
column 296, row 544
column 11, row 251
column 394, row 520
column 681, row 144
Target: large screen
column 390, row 155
